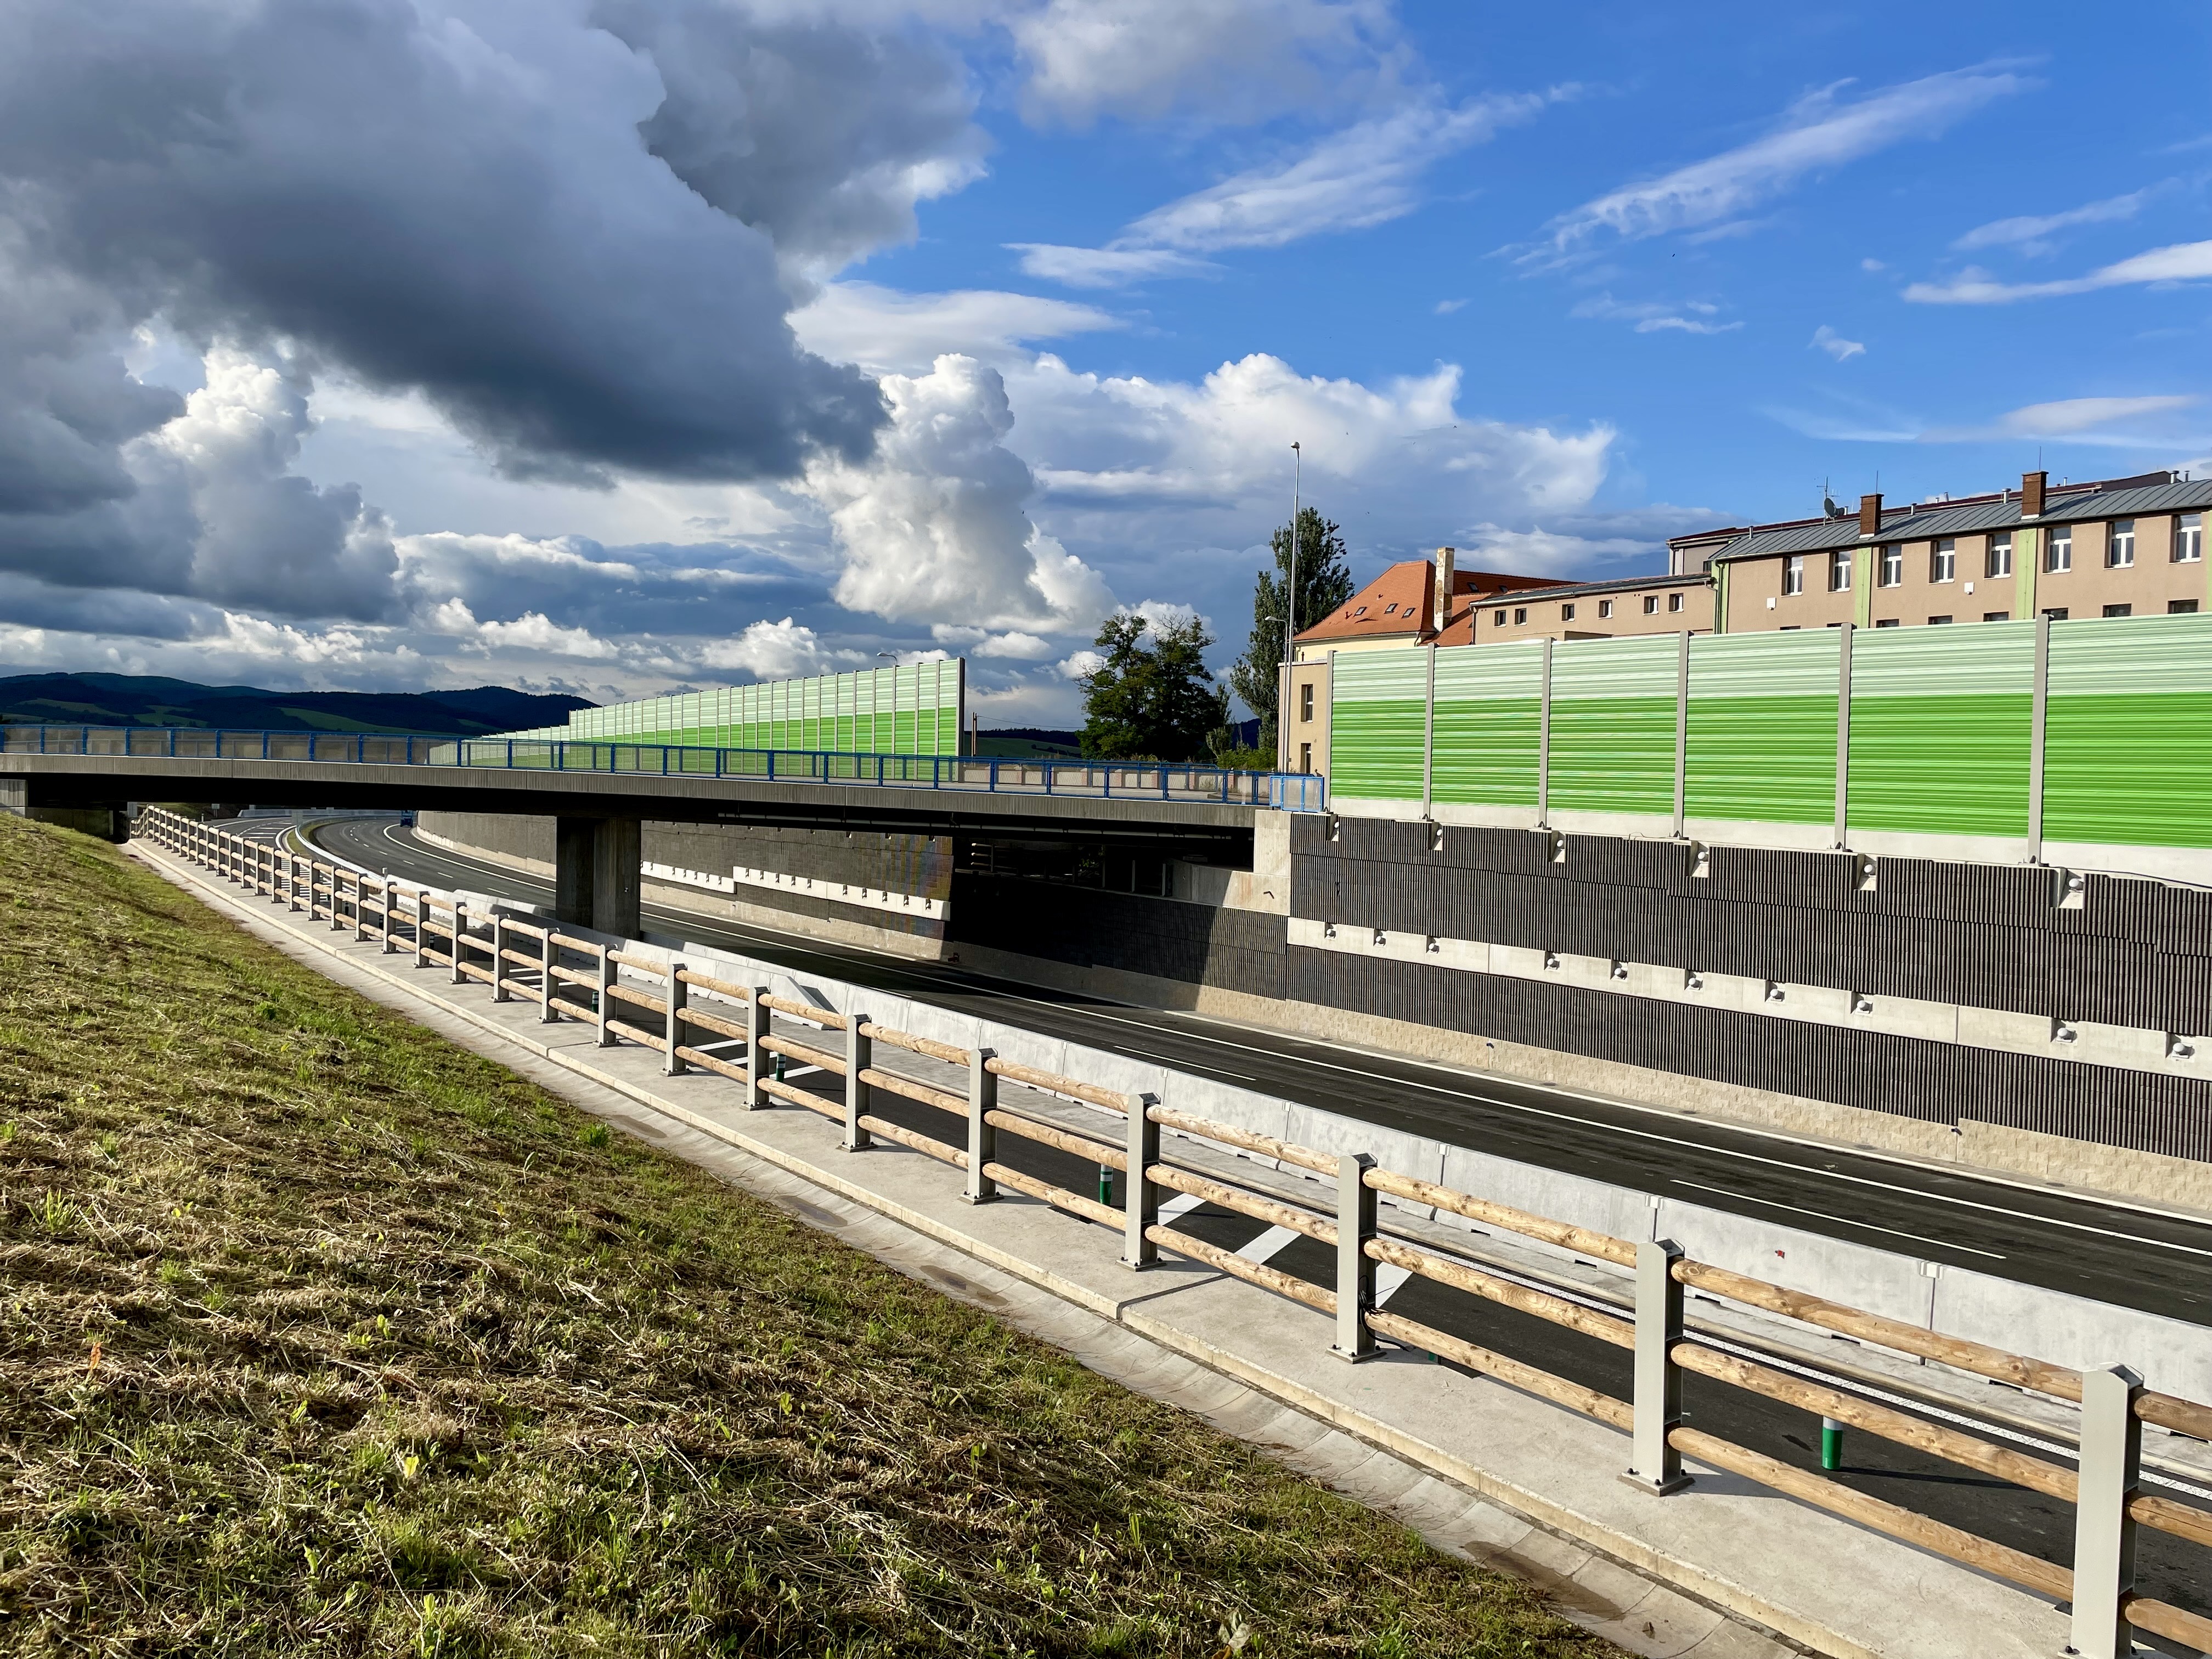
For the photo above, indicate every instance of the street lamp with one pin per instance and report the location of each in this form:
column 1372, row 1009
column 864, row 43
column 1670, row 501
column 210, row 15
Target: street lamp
column 1290, row 598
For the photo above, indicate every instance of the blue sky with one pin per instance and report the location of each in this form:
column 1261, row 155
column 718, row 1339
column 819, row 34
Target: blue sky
column 671, row 342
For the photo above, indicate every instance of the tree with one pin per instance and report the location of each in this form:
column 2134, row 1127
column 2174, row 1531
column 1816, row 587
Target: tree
column 1324, row 582
column 1154, row 701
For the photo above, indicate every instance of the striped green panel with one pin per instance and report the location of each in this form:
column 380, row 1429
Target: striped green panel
column 1612, row 725
column 1486, row 724
column 2128, row 731
column 1762, row 727
column 1378, row 716
column 1942, row 727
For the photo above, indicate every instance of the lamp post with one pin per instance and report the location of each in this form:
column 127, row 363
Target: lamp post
column 1291, row 595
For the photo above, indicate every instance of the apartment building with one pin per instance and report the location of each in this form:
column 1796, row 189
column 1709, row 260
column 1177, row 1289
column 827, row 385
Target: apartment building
column 1591, row 611
column 2115, row 547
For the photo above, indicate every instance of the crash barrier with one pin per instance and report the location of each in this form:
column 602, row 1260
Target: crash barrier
column 697, row 1021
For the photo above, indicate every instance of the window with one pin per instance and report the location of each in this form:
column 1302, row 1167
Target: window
column 1999, row 563
column 1673, row 601
column 1839, row 572
column 1305, row 757
column 1887, row 622
column 2055, row 613
column 2188, row 537
column 1650, row 604
column 2181, row 607
column 1520, row 615
column 1566, row 613
column 2058, row 553
column 1501, row 619
column 1943, row 560
column 1361, row 611
column 1390, row 609
column 2120, row 544
column 1305, row 701
column 1605, row 607
column 1892, row 565
column 2119, row 610
column 1793, row 576
column 1996, row 616
column 1938, row 622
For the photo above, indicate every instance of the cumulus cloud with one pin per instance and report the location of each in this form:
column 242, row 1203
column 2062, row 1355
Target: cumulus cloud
column 934, row 526
column 780, row 650
column 1822, row 130
column 2183, row 262
column 1228, row 60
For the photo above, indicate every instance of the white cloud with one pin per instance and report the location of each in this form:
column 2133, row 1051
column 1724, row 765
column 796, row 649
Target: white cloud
column 1107, row 267
column 1818, row 132
column 1029, row 647
column 882, row 328
column 1445, row 307
column 1081, row 663
column 1872, row 265
column 1654, row 318
column 1835, row 344
column 779, row 650
column 934, row 526
column 2183, row 262
column 2029, row 231
column 2098, row 421
column 1224, row 60
column 535, row 631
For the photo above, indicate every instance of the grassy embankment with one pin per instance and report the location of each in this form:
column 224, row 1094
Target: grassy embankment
column 318, row 1334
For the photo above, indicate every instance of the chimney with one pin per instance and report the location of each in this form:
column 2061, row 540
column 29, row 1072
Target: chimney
column 1440, row 602
column 1870, row 515
column 2031, row 494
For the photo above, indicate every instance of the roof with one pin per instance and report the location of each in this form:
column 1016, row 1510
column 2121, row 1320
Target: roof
column 1460, row 630
column 1926, row 522
column 1397, row 602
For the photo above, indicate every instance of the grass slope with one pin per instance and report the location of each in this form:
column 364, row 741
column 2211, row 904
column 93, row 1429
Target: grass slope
column 318, row 1334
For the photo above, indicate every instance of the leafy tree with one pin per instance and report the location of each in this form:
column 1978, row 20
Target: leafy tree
column 1154, row 701
column 1324, row 582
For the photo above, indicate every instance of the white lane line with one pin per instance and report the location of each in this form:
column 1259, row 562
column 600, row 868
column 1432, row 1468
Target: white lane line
column 1849, row 1221
column 1526, row 1110
column 1180, row 1203
column 799, row 1070
column 1388, row 1281
column 1268, row 1243
column 1165, row 1060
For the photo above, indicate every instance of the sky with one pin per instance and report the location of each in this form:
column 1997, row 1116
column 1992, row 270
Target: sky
column 624, row 346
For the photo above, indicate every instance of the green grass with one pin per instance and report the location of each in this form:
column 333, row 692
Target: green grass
column 319, row 1335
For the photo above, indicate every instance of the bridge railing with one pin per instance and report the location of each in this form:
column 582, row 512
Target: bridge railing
column 1189, row 782
column 569, row 977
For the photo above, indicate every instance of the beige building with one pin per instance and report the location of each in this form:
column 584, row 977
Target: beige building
column 2117, row 547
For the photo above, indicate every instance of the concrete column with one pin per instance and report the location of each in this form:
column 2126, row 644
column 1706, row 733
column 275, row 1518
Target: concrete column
column 596, row 882
column 672, row 1063
column 1657, row 1466
column 1140, row 1197
column 859, row 1054
column 1355, row 1268
column 756, row 1058
column 2104, row 1535
column 982, row 1138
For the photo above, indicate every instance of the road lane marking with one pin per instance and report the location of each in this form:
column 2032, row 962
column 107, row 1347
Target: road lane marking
column 1267, row 1244
column 1847, row 1221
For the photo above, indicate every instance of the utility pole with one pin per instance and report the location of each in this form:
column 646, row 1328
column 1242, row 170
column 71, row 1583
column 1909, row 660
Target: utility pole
column 1290, row 597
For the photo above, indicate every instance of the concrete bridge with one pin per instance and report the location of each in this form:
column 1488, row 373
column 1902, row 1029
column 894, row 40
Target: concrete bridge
column 600, row 793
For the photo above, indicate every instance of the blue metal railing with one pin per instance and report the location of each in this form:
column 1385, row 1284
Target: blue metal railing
column 1295, row 792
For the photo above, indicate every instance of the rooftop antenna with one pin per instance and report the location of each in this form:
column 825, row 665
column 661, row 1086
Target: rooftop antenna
column 1828, row 502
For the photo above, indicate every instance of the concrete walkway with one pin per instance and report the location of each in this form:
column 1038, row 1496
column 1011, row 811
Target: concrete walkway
column 1481, row 1470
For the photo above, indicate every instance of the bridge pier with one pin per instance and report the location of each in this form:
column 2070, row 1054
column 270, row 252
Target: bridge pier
column 595, row 882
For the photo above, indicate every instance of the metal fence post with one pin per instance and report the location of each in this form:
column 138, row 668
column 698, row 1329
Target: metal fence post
column 2039, row 711
column 549, row 1011
column 605, row 997
column 757, row 1017
column 1355, row 1268
column 982, row 1138
column 360, row 907
column 1140, row 1198
column 421, row 933
column 2104, row 1535
column 672, row 1063
column 1656, row 1466
column 498, row 956
column 389, row 911
column 461, row 933
column 1544, row 739
column 859, row 1054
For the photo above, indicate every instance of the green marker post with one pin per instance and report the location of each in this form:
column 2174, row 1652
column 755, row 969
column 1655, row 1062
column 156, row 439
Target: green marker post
column 1831, row 1444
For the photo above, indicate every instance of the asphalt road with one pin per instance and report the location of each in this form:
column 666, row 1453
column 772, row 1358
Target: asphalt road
column 1547, row 1127
column 2114, row 1253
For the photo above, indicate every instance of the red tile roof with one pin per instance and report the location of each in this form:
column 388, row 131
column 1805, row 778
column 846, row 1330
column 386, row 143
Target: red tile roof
column 1397, row 602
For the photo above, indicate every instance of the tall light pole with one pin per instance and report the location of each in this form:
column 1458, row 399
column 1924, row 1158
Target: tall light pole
column 1290, row 596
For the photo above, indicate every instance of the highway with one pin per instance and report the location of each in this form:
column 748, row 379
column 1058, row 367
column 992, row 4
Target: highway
column 2112, row 1252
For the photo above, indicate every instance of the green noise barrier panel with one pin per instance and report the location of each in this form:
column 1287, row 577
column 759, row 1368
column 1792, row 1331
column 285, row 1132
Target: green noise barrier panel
column 2012, row 732
column 913, row 709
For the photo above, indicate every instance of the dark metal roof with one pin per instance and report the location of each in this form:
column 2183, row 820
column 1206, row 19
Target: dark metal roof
column 1927, row 522
column 1618, row 585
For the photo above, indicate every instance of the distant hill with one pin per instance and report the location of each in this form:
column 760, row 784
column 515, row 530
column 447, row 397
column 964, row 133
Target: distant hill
column 148, row 700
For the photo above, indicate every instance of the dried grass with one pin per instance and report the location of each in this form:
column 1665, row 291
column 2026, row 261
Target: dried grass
column 318, row 1334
